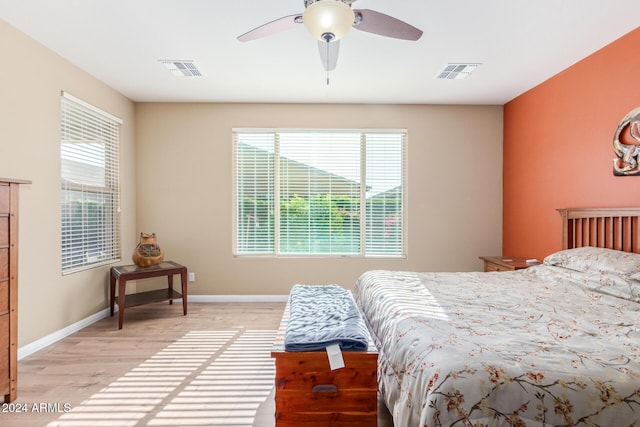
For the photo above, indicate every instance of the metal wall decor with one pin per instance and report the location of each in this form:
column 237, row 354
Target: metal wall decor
column 626, row 145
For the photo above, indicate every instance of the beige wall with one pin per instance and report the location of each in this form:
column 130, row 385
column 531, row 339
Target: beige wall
column 176, row 175
column 184, row 189
column 32, row 78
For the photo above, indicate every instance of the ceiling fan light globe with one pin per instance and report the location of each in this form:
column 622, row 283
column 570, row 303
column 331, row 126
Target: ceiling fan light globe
column 328, row 16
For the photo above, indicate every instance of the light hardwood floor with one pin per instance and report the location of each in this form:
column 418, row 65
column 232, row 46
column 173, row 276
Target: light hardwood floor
column 211, row 367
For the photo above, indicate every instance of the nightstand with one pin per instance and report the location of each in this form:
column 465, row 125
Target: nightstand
column 505, row 263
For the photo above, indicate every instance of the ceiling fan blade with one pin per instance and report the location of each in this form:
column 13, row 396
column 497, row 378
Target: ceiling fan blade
column 329, row 54
column 385, row 25
column 273, row 27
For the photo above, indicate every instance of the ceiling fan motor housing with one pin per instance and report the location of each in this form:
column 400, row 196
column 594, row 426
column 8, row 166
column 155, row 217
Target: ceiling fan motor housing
column 309, row 2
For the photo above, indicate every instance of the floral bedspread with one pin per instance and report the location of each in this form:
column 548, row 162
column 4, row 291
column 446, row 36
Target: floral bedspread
column 534, row 347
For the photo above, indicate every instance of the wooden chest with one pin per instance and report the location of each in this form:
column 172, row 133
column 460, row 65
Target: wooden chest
column 308, row 393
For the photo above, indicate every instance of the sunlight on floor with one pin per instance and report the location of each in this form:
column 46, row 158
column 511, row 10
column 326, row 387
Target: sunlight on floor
column 192, row 380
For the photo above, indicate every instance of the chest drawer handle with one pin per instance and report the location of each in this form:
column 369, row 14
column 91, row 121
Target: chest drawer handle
column 325, row 388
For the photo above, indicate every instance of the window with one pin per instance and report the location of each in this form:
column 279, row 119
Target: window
column 319, row 193
column 89, row 147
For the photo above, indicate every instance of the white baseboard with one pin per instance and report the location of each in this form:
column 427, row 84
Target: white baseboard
column 31, row 348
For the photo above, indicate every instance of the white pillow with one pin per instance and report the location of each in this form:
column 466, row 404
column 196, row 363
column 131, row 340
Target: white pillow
column 608, row 271
column 592, row 259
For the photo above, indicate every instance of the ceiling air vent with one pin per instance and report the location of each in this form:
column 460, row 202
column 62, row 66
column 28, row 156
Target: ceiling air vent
column 456, row 71
column 182, row 68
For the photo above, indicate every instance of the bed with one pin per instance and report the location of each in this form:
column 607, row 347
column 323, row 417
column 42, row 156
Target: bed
column 557, row 344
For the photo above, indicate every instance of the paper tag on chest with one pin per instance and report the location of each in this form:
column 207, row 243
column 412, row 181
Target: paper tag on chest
column 335, row 357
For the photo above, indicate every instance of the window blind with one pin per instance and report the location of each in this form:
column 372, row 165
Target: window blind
column 319, row 192
column 255, row 193
column 89, row 155
column 385, row 193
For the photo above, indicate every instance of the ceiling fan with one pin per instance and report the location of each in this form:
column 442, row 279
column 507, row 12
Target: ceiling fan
column 329, row 20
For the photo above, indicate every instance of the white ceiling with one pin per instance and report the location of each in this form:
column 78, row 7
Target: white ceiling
column 520, row 43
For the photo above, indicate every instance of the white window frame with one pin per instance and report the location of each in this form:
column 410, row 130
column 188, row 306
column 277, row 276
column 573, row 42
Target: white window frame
column 363, row 215
column 89, row 159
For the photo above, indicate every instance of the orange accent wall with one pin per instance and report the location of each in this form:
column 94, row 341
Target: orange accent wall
column 558, row 147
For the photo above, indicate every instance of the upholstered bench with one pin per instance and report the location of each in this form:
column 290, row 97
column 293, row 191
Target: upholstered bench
column 309, row 393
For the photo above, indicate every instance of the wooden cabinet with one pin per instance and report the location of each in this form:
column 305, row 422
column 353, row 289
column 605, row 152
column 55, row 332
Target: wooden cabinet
column 308, row 393
column 498, row 263
column 9, row 288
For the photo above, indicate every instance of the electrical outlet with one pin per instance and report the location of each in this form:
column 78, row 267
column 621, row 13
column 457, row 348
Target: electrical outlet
column 192, row 276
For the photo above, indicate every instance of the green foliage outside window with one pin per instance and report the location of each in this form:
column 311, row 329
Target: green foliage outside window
column 319, row 225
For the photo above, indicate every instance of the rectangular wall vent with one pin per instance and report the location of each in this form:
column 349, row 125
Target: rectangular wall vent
column 182, row 68
column 456, row 71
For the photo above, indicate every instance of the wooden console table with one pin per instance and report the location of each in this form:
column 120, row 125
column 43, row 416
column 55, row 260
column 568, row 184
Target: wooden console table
column 124, row 273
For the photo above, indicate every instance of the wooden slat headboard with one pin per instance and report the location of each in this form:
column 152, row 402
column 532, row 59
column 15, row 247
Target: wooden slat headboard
column 613, row 228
